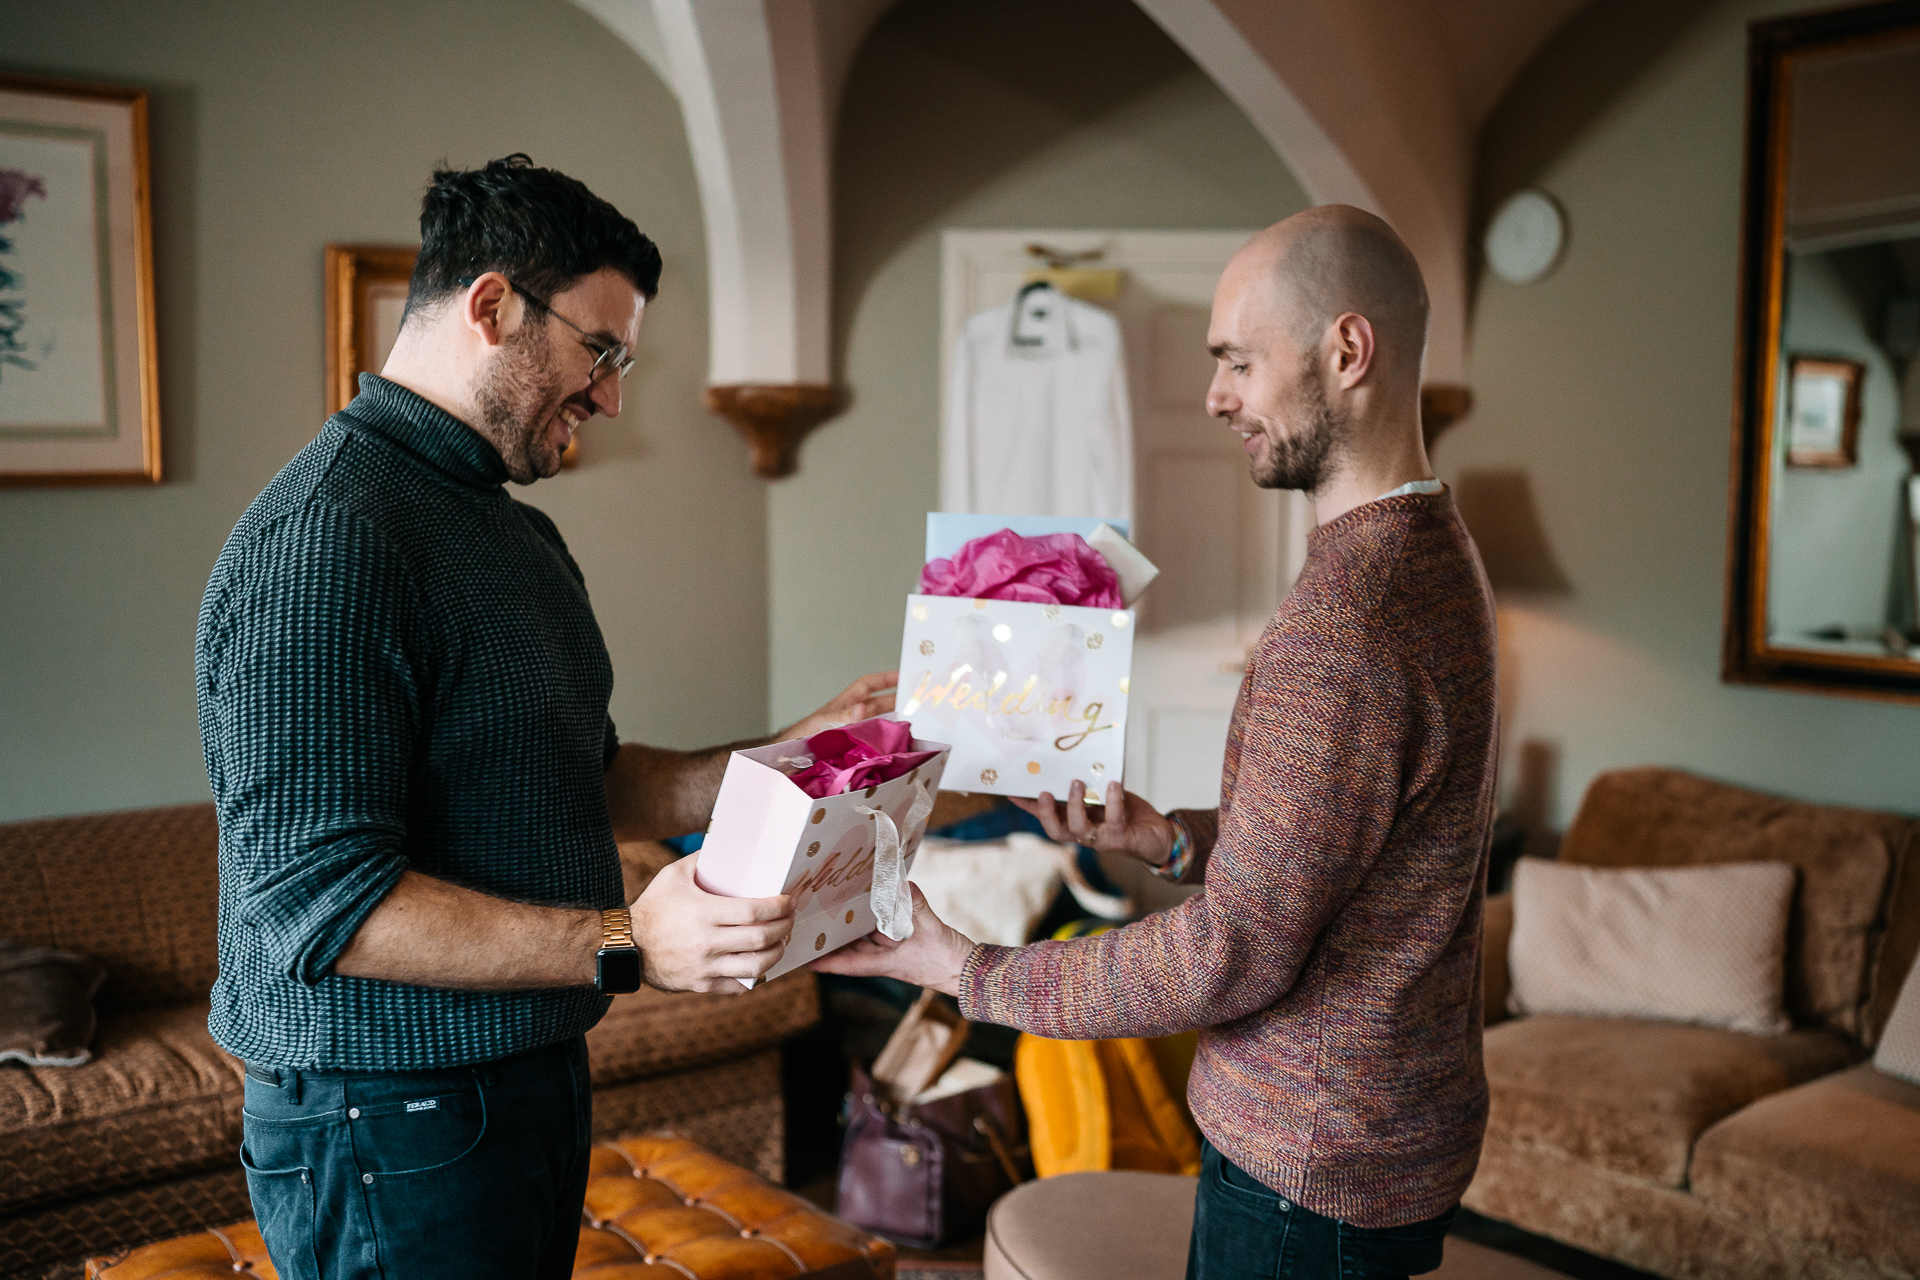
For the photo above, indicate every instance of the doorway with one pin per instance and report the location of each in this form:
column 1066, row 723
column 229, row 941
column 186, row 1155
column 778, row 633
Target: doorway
column 1227, row 551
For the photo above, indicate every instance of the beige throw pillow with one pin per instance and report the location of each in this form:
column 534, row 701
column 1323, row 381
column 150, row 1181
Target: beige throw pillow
column 1704, row 944
column 1899, row 1051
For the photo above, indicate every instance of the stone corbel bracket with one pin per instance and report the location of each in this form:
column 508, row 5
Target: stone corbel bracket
column 759, row 85
column 774, row 418
column 1441, row 405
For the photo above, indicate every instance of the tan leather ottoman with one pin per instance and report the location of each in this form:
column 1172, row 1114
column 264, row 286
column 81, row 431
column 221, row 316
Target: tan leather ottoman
column 1089, row 1226
column 658, row 1208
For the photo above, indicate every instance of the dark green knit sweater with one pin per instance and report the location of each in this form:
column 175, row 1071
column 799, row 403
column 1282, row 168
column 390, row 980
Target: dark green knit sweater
column 397, row 668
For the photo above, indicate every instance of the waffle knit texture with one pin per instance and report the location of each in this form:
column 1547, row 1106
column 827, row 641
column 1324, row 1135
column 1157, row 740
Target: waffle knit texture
column 398, row 669
column 1332, row 959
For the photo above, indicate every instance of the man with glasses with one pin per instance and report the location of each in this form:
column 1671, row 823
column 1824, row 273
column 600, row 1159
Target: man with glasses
column 403, row 704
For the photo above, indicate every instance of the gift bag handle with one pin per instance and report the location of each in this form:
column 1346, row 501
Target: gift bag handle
column 891, row 900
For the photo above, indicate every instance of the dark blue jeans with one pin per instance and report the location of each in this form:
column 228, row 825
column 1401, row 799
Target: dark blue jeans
column 472, row 1172
column 1243, row 1229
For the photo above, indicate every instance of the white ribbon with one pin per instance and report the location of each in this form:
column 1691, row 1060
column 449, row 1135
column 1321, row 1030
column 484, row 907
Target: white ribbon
column 891, row 900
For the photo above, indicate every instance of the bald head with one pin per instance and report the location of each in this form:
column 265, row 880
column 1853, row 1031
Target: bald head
column 1318, row 330
column 1335, row 259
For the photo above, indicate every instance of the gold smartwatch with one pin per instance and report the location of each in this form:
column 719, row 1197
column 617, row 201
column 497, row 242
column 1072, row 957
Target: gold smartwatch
column 616, row 967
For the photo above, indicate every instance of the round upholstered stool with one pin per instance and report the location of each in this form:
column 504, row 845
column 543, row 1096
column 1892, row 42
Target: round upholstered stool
column 1091, row 1226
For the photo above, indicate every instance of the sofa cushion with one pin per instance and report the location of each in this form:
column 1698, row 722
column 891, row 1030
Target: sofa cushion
column 1632, row 1096
column 1836, row 1161
column 1678, row 944
column 1899, row 1051
column 1663, row 817
column 650, row 1032
column 137, row 891
column 46, row 1005
column 1900, row 945
column 159, row 1098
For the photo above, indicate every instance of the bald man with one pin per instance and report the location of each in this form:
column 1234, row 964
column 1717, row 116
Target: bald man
column 1331, row 961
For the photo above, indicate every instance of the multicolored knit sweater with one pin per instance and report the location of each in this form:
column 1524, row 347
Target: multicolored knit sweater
column 1333, row 957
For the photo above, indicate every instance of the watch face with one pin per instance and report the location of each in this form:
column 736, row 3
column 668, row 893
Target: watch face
column 617, row 971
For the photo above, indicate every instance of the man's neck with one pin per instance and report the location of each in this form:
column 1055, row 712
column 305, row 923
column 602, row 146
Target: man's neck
column 433, row 372
column 1364, row 477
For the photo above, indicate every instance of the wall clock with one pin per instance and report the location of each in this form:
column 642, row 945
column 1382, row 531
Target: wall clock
column 1526, row 236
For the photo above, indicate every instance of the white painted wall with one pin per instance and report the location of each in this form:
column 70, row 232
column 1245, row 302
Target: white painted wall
column 275, row 130
column 965, row 119
column 1610, row 384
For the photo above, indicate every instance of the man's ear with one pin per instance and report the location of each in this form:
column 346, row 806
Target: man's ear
column 488, row 307
column 1353, row 349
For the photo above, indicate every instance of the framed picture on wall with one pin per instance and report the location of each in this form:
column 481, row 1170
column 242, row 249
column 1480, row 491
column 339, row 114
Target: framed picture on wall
column 79, row 388
column 366, row 295
column 1823, row 411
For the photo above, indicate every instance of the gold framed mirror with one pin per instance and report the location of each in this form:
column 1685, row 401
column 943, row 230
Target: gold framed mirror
column 1823, row 575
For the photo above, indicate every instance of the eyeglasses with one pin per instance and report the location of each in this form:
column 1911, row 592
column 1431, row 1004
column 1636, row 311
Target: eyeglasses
column 606, row 360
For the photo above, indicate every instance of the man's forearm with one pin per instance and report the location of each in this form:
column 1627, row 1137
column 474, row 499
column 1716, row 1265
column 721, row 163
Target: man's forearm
column 433, row 934
column 653, row 793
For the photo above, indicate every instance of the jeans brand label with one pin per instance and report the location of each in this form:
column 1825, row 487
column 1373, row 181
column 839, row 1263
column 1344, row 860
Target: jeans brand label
column 424, row 1104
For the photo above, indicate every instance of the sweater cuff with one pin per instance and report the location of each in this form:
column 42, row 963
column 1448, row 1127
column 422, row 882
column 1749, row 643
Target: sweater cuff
column 975, row 1004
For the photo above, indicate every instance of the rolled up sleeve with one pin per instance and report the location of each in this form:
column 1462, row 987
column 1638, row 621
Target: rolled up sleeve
column 310, row 678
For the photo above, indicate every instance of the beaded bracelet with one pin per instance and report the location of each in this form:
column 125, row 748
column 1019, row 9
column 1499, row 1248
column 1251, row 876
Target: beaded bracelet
column 1180, row 860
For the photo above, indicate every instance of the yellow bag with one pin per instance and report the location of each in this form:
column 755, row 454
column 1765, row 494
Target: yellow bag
column 1102, row 1104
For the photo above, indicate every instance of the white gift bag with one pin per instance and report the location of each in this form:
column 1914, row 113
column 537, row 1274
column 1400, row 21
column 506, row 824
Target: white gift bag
column 844, row 859
column 1032, row 696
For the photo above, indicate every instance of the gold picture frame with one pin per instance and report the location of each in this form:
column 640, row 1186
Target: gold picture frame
column 1885, row 665
column 79, row 373
column 1823, row 411
column 366, row 295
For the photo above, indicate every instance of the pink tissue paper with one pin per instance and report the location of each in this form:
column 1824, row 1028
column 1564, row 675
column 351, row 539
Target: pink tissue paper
column 1055, row 568
column 863, row 754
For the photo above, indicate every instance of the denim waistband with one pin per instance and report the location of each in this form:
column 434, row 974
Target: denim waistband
column 490, row 1070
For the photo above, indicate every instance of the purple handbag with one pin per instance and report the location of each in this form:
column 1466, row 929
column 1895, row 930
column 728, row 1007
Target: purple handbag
column 925, row 1175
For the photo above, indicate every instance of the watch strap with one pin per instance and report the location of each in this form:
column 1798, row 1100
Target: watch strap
column 616, row 929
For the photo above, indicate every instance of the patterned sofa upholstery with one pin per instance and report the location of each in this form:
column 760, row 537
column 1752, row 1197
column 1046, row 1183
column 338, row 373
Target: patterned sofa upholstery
column 143, row 1141
column 1693, row 1151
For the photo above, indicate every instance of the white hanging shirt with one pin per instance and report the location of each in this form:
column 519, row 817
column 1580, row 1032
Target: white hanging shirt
column 1036, row 419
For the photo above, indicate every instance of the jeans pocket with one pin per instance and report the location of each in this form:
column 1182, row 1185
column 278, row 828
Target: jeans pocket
column 1231, row 1180
column 283, row 1202
column 400, row 1137
column 1394, row 1251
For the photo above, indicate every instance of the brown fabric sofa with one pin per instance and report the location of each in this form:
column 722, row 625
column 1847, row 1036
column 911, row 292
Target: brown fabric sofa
column 1692, row 1151
column 142, row 1142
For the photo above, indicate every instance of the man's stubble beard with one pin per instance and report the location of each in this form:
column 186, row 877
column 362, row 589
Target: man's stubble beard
column 1303, row 460
column 515, row 399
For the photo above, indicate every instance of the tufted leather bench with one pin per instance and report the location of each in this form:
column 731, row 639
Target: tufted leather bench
column 658, row 1208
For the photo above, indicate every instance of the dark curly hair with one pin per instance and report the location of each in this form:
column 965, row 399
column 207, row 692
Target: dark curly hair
column 537, row 226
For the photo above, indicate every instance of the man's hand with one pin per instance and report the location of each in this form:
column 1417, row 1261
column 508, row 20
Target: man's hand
column 1128, row 825
column 932, row 957
column 692, row 940
column 865, row 698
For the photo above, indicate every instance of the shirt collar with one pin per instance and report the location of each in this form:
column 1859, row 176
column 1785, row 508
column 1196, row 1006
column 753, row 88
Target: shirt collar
column 1412, row 486
column 427, row 432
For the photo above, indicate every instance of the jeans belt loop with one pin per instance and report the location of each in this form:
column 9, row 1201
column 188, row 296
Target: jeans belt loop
column 292, row 1078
